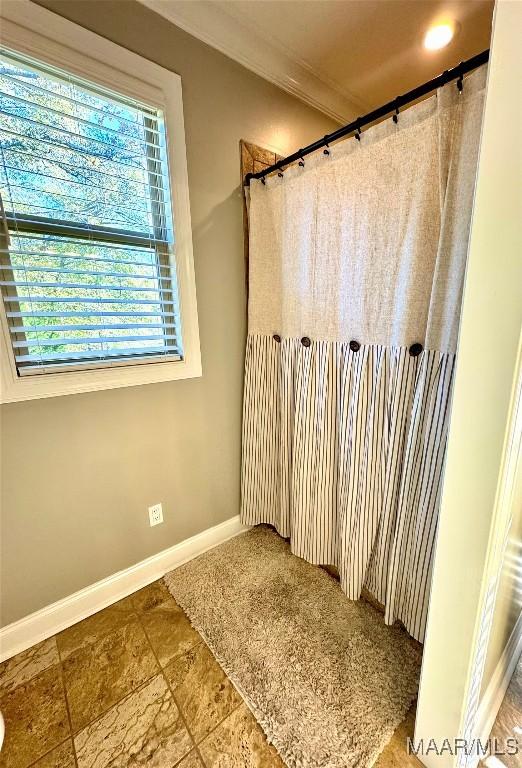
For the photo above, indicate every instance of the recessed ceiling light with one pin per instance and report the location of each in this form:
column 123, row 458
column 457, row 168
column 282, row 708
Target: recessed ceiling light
column 438, row 36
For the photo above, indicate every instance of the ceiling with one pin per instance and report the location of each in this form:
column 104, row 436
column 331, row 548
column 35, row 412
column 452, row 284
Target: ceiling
column 344, row 57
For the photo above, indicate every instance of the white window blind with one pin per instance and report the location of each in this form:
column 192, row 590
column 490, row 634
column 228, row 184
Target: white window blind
column 86, row 265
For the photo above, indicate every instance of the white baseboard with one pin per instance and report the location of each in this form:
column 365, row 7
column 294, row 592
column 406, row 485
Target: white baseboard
column 53, row 618
column 499, row 683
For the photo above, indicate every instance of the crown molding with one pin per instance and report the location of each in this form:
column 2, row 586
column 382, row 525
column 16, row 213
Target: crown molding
column 239, row 39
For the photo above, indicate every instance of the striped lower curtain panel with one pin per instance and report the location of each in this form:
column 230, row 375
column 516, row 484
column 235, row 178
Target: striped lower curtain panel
column 356, row 271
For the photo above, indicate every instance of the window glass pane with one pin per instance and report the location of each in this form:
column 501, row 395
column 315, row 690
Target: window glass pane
column 87, row 276
column 74, row 296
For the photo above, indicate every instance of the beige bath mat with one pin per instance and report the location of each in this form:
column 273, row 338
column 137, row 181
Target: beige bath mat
column 326, row 679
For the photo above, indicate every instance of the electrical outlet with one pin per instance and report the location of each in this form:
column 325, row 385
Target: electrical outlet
column 155, row 514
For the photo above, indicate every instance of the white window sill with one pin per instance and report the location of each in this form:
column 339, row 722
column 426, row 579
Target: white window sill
column 15, row 388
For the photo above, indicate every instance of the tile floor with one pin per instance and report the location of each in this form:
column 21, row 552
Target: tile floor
column 131, row 686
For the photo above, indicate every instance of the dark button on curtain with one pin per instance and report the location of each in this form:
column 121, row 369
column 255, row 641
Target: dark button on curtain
column 415, row 349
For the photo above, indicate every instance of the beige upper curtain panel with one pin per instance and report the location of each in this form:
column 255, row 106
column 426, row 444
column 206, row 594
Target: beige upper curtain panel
column 369, row 241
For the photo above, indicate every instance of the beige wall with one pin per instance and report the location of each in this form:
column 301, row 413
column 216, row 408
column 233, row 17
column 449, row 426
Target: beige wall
column 80, row 471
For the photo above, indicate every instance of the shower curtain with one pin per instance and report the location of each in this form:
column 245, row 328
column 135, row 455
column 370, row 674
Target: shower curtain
column 356, row 270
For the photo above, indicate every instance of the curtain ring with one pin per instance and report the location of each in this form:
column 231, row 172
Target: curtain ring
column 281, row 173
column 301, row 161
column 460, row 83
column 326, row 151
column 358, row 134
column 396, row 115
column 263, row 180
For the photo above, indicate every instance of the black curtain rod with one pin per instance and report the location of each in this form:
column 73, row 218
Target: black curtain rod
column 392, row 106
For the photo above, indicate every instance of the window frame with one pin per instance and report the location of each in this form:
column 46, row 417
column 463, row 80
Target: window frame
column 37, row 32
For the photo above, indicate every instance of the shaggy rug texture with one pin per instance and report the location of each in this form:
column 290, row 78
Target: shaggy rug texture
column 326, row 679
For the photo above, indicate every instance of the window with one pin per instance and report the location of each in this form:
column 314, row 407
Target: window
column 88, row 257
column 86, row 277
